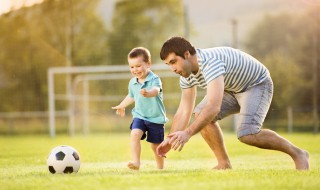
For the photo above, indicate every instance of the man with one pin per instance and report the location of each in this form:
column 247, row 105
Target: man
column 235, row 83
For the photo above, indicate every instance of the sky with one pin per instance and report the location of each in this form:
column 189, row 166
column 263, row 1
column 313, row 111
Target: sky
column 210, row 20
column 7, row 5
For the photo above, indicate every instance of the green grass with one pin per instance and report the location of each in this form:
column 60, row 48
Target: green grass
column 104, row 158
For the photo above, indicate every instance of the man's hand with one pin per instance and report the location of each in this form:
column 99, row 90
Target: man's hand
column 178, row 139
column 163, row 148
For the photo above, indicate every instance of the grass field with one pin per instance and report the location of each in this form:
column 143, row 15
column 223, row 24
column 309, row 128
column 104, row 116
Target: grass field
column 104, row 158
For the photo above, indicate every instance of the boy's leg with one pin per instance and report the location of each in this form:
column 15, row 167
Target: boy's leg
column 135, row 138
column 155, row 137
column 159, row 159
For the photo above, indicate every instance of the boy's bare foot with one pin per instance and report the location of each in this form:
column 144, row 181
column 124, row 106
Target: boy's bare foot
column 133, row 166
column 223, row 166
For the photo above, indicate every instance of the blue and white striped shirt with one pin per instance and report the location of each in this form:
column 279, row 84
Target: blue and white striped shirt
column 240, row 69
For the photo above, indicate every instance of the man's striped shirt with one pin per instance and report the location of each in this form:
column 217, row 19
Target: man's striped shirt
column 240, row 69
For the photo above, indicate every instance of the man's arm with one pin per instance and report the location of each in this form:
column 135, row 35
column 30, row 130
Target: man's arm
column 215, row 90
column 182, row 117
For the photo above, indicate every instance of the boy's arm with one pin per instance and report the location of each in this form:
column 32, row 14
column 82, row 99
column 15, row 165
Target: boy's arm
column 154, row 91
column 121, row 107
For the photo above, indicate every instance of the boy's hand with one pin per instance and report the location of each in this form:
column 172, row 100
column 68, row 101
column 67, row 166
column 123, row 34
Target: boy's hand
column 144, row 92
column 120, row 111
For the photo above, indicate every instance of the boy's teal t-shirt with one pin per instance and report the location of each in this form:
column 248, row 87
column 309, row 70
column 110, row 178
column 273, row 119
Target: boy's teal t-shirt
column 151, row 109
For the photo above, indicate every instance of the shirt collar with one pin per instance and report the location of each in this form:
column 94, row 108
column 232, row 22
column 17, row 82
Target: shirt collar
column 148, row 78
column 199, row 56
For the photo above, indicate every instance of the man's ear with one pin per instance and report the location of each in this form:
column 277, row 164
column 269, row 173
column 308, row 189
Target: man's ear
column 186, row 54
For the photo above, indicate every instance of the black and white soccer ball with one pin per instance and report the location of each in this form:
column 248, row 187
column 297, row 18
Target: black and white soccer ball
column 63, row 159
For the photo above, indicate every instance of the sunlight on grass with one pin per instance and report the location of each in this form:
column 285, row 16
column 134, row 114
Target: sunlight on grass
column 104, row 158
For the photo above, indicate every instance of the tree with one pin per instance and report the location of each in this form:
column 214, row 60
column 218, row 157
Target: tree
column 271, row 42
column 34, row 39
column 285, row 43
column 143, row 23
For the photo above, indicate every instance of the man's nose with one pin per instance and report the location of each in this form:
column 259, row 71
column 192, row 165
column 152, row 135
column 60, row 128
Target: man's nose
column 173, row 69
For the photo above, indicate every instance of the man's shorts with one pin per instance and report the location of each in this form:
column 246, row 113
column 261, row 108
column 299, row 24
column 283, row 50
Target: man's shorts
column 252, row 105
column 153, row 131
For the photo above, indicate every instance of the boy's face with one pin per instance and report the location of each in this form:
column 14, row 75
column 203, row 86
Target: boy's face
column 138, row 67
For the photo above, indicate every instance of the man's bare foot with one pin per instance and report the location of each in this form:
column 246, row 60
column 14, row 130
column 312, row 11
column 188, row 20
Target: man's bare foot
column 223, row 166
column 133, row 166
column 302, row 160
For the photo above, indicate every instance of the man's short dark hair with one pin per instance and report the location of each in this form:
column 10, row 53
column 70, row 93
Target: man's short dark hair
column 177, row 45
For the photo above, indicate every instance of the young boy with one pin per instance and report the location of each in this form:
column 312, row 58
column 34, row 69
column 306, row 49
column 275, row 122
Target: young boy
column 149, row 115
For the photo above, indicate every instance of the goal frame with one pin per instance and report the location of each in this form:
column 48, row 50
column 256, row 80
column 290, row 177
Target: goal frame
column 84, row 74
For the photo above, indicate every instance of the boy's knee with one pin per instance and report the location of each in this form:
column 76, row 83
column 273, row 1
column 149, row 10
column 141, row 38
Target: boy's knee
column 136, row 134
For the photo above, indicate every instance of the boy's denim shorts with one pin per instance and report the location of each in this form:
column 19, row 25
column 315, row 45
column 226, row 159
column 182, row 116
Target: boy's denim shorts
column 252, row 105
column 153, row 131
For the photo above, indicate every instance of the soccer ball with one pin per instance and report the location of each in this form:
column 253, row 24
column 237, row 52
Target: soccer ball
column 63, row 159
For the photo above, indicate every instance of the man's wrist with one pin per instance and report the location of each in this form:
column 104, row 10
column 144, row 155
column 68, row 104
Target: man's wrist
column 189, row 131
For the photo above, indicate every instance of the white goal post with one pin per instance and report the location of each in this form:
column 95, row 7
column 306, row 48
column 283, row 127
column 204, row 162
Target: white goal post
column 83, row 75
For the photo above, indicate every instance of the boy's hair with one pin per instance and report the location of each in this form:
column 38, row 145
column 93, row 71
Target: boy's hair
column 177, row 45
column 140, row 51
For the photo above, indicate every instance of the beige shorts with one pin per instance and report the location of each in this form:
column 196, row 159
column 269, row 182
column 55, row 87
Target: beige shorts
column 252, row 105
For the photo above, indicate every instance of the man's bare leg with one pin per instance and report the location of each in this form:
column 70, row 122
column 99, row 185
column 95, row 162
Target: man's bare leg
column 212, row 134
column 268, row 139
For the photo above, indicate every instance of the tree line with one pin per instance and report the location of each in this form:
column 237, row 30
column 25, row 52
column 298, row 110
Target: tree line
column 55, row 33
column 71, row 33
column 288, row 44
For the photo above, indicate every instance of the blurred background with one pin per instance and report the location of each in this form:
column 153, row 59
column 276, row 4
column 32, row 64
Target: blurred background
column 63, row 63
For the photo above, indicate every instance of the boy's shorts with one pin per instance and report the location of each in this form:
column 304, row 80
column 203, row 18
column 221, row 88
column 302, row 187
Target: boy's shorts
column 252, row 105
column 155, row 132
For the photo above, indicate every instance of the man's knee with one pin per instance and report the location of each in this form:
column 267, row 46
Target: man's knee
column 250, row 139
column 245, row 138
column 248, row 133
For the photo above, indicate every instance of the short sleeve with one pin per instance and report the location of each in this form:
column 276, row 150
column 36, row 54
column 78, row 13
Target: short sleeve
column 130, row 90
column 184, row 83
column 213, row 69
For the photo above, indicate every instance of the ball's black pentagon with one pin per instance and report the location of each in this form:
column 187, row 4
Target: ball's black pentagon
column 52, row 170
column 76, row 156
column 68, row 169
column 60, row 155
